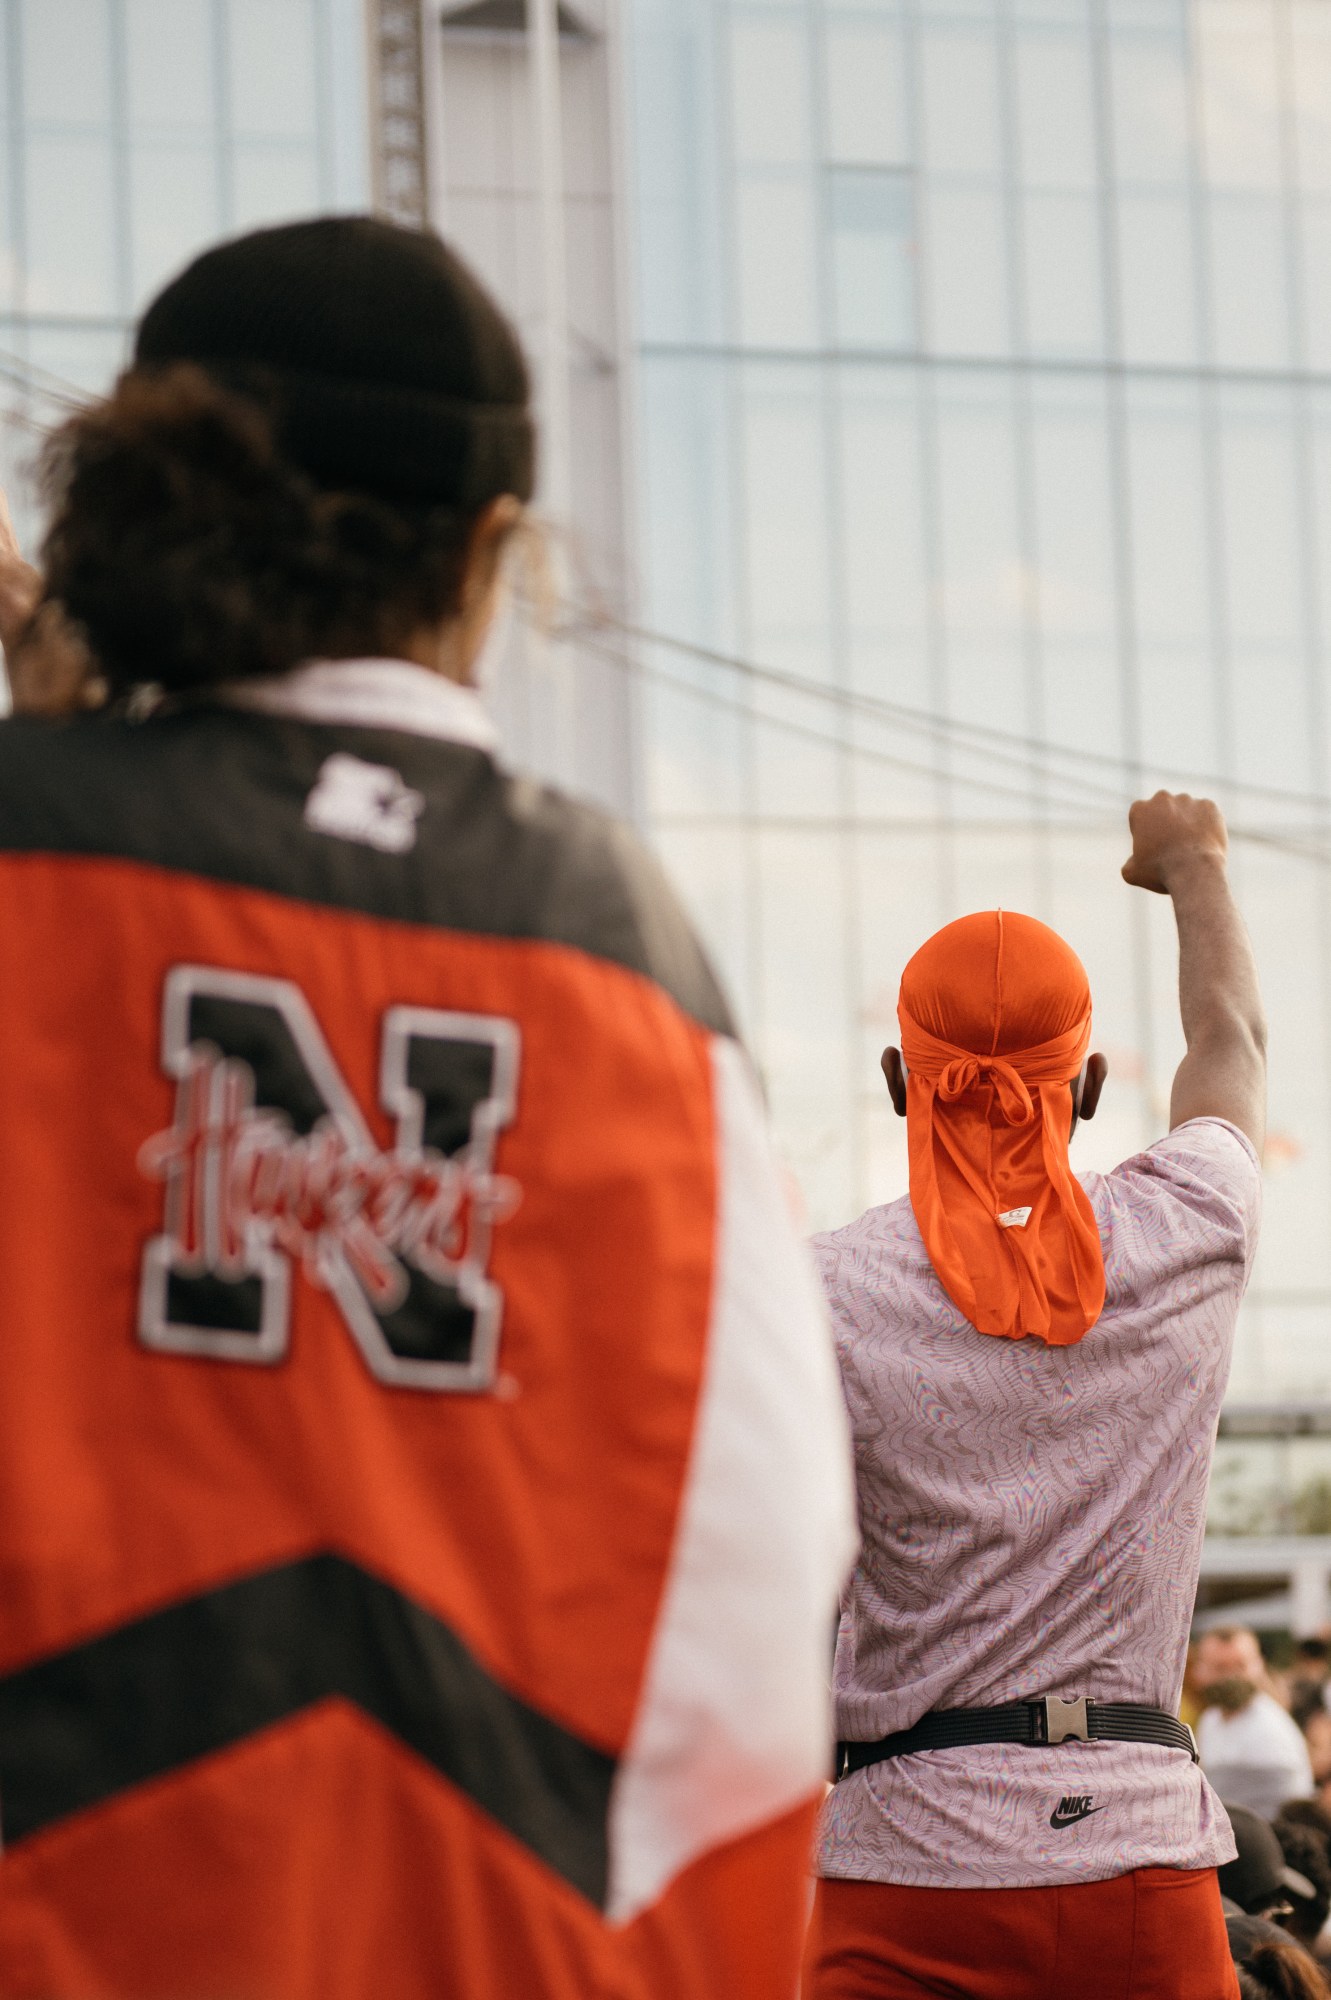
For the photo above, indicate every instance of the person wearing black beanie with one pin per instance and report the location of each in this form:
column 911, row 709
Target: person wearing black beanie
column 321, row 449
column 424, row 1490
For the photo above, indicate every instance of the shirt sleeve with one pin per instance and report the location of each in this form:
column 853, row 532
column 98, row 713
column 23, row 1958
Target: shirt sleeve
column 1194, row 1198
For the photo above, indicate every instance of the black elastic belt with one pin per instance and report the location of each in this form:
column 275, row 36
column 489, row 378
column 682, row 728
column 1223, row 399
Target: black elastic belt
column 1032, row 1723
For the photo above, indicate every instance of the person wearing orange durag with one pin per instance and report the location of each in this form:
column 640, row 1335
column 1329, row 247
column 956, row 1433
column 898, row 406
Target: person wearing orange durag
column 1033, row 1361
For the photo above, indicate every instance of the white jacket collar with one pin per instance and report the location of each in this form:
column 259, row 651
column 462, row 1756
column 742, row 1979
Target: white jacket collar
column 376, row 694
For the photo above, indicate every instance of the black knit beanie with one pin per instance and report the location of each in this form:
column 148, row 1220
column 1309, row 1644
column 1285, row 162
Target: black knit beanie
column 385, row 366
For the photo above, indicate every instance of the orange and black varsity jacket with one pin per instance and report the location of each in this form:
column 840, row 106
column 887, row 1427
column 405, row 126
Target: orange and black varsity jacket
column 422, row 1478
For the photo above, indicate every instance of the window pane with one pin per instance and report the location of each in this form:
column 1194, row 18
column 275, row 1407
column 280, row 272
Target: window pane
column 1248, row 295
column 10, row 272
column 1074, row 517
column 168, row 61
column 769, row 69
column 894, row 773
column 1258, row 481
column 1285, row 910
column 882, row 509
column 1311, row 67
column 866, row 116
column 989, row 683
column 1074, row 585
column 173, row 210
column 804, row 1004
column 66, row 62
column 778, row 292
column 71, row 233
column 697, row 745
column 797, row 768
column 1315, row 246
column 679, row 207
column 982, row 558
column 689, row 560
column 1318, row 418
column 272, row 73
column 785, row 502
column 1056, row 135
column 1240, row 98
column 1167, row 478
column 873, row 258
column 1071, row 12
column 899, row 905
column 995, row 869
column 1150, row 95
column 1177, row 709
column 1156, row 278
column 1089, row 908
column 1269, row 707
column 966, row 260
column 1061, row 243
column 273, row 184
column 713, row 873
column 88, row 357
column 959, row 79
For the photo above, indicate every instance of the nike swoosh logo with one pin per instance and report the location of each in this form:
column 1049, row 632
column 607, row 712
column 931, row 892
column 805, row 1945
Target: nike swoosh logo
column 1059, row 1820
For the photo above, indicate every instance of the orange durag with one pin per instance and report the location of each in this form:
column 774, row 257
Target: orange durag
column 995, row 1014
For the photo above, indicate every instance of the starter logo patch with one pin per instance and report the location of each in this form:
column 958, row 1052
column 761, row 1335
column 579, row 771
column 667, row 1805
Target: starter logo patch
column 370, row 803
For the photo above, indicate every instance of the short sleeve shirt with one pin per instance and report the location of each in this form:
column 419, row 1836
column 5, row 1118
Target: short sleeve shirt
column 1032, row 1521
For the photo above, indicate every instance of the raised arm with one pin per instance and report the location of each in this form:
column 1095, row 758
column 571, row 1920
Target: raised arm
column 1179, row 849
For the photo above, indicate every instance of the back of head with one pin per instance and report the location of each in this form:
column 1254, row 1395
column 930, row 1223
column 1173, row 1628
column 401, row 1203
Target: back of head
column 385, row 366
column 315, row 417
column 997, row 983
column 1310, row 1813
column 1305, row 1854
column 995, row 1015
column 1270, row 1963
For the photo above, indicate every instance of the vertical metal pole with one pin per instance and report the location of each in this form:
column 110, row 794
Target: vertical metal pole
column 555, row 474
column 432, row 106
column 618, row 83
column 548, row 137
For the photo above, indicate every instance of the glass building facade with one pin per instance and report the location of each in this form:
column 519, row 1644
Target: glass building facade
column 984, row 428
column 132, row 132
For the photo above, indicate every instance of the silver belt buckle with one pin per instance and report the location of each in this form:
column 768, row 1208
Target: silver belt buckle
column 1064, row 1720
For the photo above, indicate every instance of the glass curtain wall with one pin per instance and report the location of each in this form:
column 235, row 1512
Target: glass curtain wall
column 133, row 132
column 985, row 441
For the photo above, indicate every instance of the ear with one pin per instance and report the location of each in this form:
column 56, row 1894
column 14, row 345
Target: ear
column 1097, row 1069
column 895, row 1072
column 486, row 540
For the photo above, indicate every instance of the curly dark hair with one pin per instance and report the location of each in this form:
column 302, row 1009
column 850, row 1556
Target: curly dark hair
column 1271, row 1963
column 190, row 551
column 1307, row 1812
column 1281, row 1972
column 1305, row 1848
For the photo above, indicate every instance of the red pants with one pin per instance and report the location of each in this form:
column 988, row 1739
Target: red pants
column 1157, row 1934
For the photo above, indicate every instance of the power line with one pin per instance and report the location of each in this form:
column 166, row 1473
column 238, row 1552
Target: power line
column 1029, row 754
column 1289, row 844
column 715, row 699
column 932, row 722
column 885, row 713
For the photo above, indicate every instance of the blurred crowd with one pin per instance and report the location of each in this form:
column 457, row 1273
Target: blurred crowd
column 1264, row 1732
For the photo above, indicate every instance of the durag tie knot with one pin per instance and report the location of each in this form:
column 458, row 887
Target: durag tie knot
column 1011, row 1097
column 1008, row 1227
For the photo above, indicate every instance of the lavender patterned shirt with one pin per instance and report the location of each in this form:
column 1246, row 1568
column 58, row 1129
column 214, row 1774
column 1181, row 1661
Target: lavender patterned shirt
column 1032, row 1522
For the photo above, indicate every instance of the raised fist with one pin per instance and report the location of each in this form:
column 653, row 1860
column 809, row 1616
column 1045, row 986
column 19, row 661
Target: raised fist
column 1170, row 831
